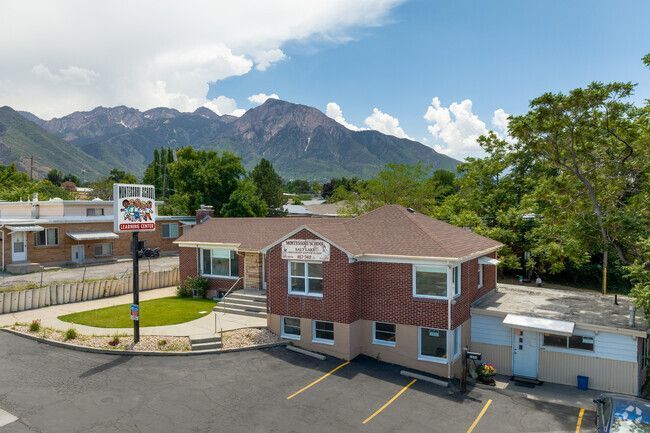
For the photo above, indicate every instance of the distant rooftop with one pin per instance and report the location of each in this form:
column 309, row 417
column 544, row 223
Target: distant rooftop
column 579, row 306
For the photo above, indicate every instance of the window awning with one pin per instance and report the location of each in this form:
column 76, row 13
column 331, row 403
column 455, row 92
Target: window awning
column 91, row 236
column 21, row 229
column 485, row 260
column 188, row 223
column 538, row 324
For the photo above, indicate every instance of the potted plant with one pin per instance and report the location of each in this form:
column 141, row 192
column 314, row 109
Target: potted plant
column 486, row 373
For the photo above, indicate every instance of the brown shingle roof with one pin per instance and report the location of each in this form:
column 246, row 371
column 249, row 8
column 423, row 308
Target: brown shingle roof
column 390, row 230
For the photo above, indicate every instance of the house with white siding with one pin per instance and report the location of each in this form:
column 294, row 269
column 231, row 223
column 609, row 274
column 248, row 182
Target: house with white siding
column 556, row 335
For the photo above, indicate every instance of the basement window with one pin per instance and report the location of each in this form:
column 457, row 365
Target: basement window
column 323, row 332
column 383, row 333
column 290, row 328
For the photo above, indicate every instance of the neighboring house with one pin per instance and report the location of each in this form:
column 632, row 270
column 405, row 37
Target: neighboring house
column 392, row 284
column 314, row 208
column 556, row 335
column 56, row 232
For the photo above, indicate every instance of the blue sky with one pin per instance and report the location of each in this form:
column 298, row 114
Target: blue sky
column 498, row 54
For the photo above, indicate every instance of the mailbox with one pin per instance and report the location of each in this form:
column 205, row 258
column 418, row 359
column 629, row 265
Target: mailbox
column 476, row 356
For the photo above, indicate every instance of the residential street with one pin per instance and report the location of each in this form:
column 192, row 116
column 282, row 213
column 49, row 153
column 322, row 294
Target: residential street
column 92, row 272
column 57, row 390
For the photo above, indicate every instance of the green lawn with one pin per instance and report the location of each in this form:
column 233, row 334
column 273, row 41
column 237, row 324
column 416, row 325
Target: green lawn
column 156, row 312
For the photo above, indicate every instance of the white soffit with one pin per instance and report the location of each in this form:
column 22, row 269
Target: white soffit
column 552, row 326
column 485, row 260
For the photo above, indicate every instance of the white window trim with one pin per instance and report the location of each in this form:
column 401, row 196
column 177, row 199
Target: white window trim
column 383, row 342
column 414, row 283
column 456, row 271
column 283, row 334
column 306, row 277
column 457, row 335
column 320, row 340
column 480, row 276
column 226, row 277
column 432, row 358
column 170, row 224
column 47, row 244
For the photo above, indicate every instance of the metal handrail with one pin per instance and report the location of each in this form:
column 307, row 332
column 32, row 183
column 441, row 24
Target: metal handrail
column 216, row 316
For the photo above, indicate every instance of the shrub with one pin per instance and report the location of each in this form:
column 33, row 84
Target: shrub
column 191, row 285
column 35, row 326
column 114, row 341
column 70, row 334
column 162, row 343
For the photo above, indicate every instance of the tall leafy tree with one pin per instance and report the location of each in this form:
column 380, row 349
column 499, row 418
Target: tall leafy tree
column 245, row 201
column 269, row 185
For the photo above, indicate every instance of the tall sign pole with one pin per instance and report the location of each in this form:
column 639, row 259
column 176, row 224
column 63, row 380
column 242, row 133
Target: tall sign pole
column 134, row 210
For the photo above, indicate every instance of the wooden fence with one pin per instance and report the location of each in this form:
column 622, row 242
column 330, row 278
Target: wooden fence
column 64, row 293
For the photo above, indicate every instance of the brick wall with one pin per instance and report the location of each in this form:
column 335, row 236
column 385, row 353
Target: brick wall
column 190, row 267
column 63, row 251
column 337, row 303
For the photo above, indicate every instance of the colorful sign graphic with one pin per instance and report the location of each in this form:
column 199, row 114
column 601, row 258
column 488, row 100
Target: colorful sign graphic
column 134, row 208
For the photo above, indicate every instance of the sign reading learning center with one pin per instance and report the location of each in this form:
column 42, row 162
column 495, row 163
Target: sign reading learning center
column 134, row 208
column 306, row 249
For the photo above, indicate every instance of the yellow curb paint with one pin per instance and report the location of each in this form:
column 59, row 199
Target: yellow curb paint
column 480, row 415
column 393, row 398
column 579, row 423
column 305, row 388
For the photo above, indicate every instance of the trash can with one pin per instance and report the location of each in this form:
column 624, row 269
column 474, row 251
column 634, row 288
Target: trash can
column 583, row 383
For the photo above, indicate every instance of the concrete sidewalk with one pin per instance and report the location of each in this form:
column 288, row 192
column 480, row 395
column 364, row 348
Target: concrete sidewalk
column 198, row 328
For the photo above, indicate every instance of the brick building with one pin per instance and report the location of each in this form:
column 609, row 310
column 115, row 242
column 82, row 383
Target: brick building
column 392, row 284
column 56, row 232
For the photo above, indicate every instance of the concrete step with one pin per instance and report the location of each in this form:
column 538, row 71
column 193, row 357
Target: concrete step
column 246, row 296
column 206, row 346
column 241, row 312
column 241, row 305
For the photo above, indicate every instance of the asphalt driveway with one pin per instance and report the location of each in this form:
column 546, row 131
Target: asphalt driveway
column 118, row 269
column 58, row 390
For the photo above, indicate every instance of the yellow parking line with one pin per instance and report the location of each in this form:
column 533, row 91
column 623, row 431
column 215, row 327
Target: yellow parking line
column 579, row 423
column 395, row 397
column 305, row 388
column 480, row 415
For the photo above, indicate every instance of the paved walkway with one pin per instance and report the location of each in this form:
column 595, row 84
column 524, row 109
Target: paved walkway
column 91, row 272
column 198, row 328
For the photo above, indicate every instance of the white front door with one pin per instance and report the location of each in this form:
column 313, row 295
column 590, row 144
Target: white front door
column 19, row 246
column 525, row 353
column 78, row 253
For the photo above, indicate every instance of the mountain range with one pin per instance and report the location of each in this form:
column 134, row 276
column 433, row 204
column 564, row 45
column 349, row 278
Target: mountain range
column 300, row 141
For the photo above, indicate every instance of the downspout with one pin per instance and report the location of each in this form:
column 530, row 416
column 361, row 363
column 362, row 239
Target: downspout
column 263, row 271
column 450, row 291
column 3, row 246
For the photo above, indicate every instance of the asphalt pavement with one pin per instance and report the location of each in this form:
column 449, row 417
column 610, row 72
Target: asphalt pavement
column 62, row 391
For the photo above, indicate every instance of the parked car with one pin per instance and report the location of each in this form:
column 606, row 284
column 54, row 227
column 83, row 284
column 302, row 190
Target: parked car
column 622, row 414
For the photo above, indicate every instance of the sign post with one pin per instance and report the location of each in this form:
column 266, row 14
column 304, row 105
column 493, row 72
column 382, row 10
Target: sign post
column 134, row 211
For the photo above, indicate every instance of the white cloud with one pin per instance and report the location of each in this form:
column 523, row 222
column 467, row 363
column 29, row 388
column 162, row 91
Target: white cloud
column 385, row 123
column 224, row 105
column 261, row 98
column 155, row 52
column 334, row 111
column 459, row 133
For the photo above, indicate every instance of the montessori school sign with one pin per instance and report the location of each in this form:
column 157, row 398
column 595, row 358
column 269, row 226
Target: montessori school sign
column 306, row 249
column 134, row 208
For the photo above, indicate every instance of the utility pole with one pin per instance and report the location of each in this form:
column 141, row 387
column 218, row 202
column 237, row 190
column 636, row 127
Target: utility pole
column 136, row 287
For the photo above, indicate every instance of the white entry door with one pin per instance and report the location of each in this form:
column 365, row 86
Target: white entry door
column 19, row 246
column 525, row 353
column 78, row 253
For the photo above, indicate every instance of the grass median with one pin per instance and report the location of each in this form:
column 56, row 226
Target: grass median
column 156, row 312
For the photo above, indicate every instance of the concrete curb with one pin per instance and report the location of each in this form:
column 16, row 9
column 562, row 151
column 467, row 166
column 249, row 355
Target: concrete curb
column 527, row 396
column 137, row 353
column 306, row 352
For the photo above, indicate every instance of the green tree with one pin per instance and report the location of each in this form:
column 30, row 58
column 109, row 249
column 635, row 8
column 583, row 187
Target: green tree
column 639, row 275
column 205, row 177
column 269, row 185
column 55, row 176
column 245, row 201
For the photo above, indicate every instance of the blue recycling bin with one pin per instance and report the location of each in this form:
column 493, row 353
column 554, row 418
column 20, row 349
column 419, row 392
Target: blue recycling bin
column 583, row 383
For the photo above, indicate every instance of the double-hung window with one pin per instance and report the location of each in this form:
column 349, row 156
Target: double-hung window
column 323, row 332
column 383, row 333
column 49, row 236
column 170, row 230
column 306, row 278
column 290, row 328
column 219, row 262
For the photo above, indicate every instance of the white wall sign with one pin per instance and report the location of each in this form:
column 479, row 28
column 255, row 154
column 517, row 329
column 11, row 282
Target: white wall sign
column 306, row 249
column 134, row 208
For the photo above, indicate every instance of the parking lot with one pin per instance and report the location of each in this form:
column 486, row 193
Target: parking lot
column 275, row 390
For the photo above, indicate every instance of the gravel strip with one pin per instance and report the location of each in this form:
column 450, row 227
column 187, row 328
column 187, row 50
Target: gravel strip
column 248, row 337
column 117, row 342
